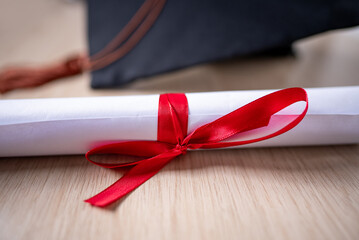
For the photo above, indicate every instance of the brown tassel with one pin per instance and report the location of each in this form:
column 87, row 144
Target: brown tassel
column 27, row 77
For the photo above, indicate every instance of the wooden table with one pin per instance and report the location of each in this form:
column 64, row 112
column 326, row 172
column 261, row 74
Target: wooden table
column 267, row 193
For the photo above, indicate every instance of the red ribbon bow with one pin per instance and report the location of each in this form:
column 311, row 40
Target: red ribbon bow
column 172, row 140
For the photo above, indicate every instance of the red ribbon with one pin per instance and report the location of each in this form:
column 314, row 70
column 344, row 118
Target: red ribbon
column 172, row 138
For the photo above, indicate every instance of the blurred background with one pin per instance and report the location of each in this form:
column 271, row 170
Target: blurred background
column 278, row 193
column 42, row 31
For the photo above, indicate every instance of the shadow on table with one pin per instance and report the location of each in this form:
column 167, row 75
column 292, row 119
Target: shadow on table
column 299, row 161
column 283, row 158
column 279, row 158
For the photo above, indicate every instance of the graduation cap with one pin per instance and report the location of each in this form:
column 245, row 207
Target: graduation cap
column 133, row 39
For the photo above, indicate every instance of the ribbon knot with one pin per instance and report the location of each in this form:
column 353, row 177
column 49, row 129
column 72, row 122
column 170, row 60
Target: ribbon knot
column 172, row 138
column 181, row 148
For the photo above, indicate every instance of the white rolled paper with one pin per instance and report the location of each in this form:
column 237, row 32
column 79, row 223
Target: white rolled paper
column 30, row 127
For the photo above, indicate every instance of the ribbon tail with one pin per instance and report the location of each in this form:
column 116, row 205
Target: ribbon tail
column 132, row 179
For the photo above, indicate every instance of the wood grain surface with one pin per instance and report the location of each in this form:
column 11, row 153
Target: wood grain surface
column 264, row 193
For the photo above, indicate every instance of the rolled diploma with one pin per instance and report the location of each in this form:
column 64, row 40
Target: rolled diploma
column 33, row 127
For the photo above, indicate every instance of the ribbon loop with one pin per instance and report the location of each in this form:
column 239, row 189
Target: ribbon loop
column 172, row 140
column 148, row 149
